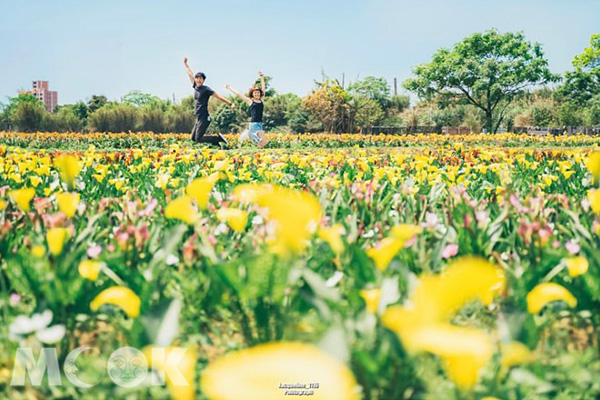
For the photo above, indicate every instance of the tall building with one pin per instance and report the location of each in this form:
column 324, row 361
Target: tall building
column 41, row 91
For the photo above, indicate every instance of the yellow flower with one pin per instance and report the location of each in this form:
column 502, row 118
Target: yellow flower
column 594, row 198
column 294, row 213
column 38, row 251
column 2, row 205
column 593, row 165
column 119, row 296
column 56, row 238
column 235, row 218
column 577, row 266
column 199, row 189
column 332, row 236
column 490, row 398
column 464, row 351
column 22, row 197
column 514, row 353
column 35, row 181
column 90, row 269
column 371, row 298
column 545, row 293
column 259, row 371
column 67, row 203
column 175, row 367
column 69, row 167
column 406, row 231
column 182, row 209
column 383, row 254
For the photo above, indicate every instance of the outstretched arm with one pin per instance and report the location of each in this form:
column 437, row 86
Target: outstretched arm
column 189, row 71
column 238, row 94
column 262, row 83
column 224, row 100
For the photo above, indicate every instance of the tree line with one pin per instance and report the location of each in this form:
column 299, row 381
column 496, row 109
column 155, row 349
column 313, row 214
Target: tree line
column 488, row 81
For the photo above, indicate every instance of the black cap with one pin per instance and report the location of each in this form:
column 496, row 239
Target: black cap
column 200, row 74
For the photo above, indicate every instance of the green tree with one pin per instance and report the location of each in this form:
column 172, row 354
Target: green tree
column 138, row 99
column 374, row 88
column 487, row 70
column 96, row 102
column 179, row 119
column 26, row 113
column 365, row 112
column 583, row 83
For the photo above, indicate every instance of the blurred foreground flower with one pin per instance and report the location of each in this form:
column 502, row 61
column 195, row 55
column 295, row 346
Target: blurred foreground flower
column 90, row 269
column 333, row 236
column 68, row 167
column 294, row 213
column 119, row 296
column 422, row 325
column 22, row 197
column 545, row 293
column 262, row 373
column 577, row 266
column 235, row 218
column 199, row 189
column 67, row 203
column 38, row 324
column 182, row 209
column 178, row 367
column 56, row 238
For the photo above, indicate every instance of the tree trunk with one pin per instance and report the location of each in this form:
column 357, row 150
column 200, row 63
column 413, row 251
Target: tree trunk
column 489, row 121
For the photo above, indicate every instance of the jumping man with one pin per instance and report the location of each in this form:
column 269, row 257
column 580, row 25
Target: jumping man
column 202, row 94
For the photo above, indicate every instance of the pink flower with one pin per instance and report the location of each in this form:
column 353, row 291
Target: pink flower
column 572, row 247
column 15, row 299
column 94, row 251
column 450, row 251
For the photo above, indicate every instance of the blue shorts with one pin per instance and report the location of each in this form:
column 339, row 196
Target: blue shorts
column 253, row 129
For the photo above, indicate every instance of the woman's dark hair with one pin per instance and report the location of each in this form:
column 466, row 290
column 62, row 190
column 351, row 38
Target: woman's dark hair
column 201, row 75
column 252, row 89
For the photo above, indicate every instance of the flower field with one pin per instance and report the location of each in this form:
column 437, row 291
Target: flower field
column 323, row 266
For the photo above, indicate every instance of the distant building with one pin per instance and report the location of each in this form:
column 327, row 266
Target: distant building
column 48, row 97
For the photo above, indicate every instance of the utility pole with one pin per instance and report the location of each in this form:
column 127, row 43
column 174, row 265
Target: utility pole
column 395, row 86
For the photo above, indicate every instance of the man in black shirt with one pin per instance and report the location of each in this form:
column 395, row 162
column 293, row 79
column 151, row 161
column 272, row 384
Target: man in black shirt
column 201, row 96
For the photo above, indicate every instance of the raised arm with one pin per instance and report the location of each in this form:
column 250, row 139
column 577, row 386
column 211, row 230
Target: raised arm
column 224, row 100
column 238, row 94
column 189, row 71
column 262, row 83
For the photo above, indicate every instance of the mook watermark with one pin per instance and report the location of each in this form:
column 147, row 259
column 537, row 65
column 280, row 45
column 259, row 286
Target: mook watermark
column 126, row 367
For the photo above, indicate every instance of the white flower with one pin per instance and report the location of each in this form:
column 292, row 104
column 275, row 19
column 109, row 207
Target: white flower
column 172, row 259
column 257, row 220
column 335, row 279
column 38, row 323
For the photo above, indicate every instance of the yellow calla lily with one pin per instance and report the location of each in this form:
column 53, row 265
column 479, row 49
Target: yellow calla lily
column 514, row 353
column 333, row 237
column 295, row 214
column 260, row 372
column 593, row 165
column 406, row 231
column 545, row 293
column 235, row 218
column 465, row 351
column 594, row 199
column 173, row 365
column 182, row 209
column 383, row 254
column 67, row 203
column 90, row 269
column 371, row 298
column 119, row 296
column 2, row 205
column 577, row 266
column 22, row 197
column 56, row 238
column 199, row 189
column 68, row 167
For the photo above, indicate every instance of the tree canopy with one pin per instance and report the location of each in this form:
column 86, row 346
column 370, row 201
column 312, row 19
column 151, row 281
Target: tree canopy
column 487, row 70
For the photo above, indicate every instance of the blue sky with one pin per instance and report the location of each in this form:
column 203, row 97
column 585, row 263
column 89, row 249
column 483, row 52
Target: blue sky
column 112, row 47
